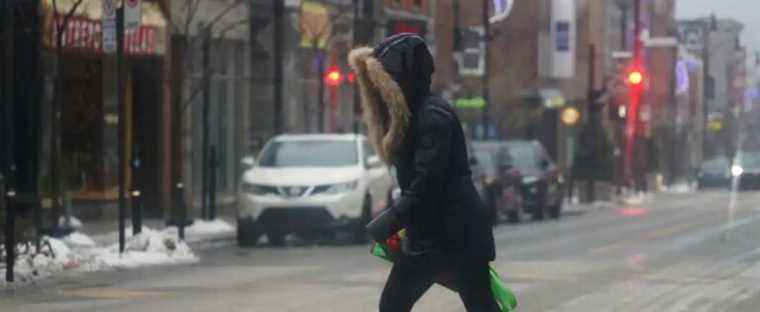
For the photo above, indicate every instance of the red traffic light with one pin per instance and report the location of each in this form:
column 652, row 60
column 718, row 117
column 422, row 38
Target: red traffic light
column 635, row 77
column 351, row 77
column 334, row 77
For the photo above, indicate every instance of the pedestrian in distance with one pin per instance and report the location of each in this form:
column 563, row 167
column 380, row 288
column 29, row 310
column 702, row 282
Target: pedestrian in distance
column 448, row 233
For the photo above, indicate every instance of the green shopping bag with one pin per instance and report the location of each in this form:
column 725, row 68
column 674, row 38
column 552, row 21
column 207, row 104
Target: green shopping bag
column 504, row 296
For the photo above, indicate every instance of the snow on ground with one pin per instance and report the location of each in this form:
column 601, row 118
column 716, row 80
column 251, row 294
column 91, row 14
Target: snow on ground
column 680, row 188
column 73, row 221
column 79, row 253
column 201, row 227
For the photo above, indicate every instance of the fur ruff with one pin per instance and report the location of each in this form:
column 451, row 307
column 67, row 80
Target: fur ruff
column 386, row 112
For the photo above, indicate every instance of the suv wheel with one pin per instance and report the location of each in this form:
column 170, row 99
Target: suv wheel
column 556, row 210
column 276, row 239
column 540, row 211
column 247, row 235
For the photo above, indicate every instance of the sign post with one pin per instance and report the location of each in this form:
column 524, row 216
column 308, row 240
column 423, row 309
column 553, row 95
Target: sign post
column 109, row 26
column 132, row 14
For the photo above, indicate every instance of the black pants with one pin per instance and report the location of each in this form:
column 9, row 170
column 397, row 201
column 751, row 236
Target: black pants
column 408, row 282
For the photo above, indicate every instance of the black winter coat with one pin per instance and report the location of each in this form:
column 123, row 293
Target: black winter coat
column 421, row 136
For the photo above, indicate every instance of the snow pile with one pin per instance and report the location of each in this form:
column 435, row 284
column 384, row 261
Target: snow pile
column 54, row 257
column 681, row 188
column 205, row 228
column 73, row 221
column 79, row 253
column 79, row 240
column 148, row 248
column 636, row 199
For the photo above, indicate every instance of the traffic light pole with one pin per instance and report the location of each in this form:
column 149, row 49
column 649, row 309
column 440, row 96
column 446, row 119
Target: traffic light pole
column 122, row 124
column 356, row 38
column 635, row 96
column 10, row 163
column 486, row 73
column 278, row 7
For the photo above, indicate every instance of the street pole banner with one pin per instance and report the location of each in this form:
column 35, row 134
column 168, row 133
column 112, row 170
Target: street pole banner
column 501, row 9
column 563, row 39
column 132, row 14
column 109, row 26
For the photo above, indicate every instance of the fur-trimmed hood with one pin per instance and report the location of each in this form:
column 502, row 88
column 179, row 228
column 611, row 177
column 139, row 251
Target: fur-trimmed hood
column 393, row 78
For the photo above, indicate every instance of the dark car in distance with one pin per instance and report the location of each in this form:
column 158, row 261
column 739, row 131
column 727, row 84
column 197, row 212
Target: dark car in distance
column 501, row 181
column 714, row 173
column 541, row 180
column 746, row 169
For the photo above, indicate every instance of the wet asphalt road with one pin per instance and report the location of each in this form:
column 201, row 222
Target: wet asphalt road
column 676, row 252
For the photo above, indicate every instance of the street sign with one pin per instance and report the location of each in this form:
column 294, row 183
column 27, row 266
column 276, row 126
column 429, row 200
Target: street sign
column 132, row 14
column 109, row 26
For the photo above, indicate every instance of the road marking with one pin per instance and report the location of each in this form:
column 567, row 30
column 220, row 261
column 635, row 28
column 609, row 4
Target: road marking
column 113, row 293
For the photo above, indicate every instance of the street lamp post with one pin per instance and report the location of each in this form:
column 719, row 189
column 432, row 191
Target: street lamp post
column 486, row 79
column 10, row 163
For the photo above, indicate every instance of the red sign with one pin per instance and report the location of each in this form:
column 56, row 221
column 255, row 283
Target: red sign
column 84, row 35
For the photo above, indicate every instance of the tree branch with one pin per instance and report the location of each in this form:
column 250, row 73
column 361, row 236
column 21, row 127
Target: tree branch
column 224, row 12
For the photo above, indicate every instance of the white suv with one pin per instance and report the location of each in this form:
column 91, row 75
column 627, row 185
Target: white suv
column 311, row 184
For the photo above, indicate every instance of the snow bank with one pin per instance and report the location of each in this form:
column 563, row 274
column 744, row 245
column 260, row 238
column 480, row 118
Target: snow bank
column 75, row 223
column 201, row 227
column 681, row 188
column 148, row 248
column 79, row 253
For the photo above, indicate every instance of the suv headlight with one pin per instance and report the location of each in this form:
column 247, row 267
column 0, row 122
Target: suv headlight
column 339, row 188
column 737, row 170
column 258, row 189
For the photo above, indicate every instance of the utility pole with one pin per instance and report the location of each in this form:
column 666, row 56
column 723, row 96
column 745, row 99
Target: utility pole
column 635, row 96
column 357, row 107
column 10, row 156
column 122, row 159
column 594, row 122
column 486, row 76
column 206, row 33
column 278, row 7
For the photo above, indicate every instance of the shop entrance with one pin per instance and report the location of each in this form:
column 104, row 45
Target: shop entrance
column 146, row 104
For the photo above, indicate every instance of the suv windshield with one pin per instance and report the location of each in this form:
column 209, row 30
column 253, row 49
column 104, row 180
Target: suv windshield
column 309, row 154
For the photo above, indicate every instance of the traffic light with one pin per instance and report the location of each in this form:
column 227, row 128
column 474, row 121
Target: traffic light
column 635, row 77
column 334, row 77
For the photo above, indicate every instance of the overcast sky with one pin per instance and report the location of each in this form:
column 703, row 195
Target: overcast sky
column 745, row 11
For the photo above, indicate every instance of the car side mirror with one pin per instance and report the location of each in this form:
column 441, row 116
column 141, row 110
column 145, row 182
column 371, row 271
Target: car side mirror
column 248, row 162
column 374, row 162
column 545, row 164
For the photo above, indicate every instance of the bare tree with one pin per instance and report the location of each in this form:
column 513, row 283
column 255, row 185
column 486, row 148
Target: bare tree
column 55, row 138
column 194, row 24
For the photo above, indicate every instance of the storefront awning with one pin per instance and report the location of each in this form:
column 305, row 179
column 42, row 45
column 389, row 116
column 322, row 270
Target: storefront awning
column 83, row 32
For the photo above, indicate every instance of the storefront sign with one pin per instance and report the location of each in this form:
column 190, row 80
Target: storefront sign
column 84, row 35
column 477, row 102
column 108, row 26
column 315, row 25
column 407, row 26
column 132, row 14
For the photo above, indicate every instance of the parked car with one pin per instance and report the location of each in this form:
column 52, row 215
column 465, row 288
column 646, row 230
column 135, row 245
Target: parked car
column 502, row 181
column 541, row 181
column 307, row 184
column 477, row 171
column 715, row 172
column 746, row 169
